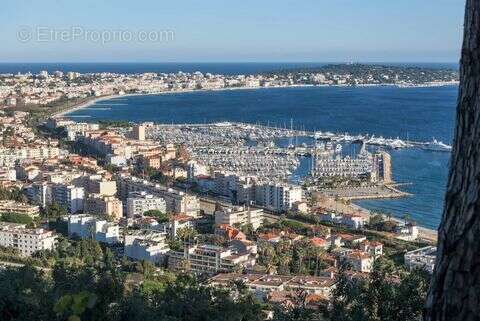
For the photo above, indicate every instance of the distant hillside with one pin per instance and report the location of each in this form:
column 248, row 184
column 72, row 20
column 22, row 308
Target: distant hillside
column 372, row 73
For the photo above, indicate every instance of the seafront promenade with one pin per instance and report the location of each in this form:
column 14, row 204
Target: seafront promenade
column 366, row 192
column 339, row 205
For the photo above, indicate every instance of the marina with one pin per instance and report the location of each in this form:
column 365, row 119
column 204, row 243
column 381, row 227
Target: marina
column 231, row 133
column 317, row 109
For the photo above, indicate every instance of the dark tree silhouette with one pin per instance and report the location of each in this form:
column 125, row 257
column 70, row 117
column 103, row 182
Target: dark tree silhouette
column 455, row 289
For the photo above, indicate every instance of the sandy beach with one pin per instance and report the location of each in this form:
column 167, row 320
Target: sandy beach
column 350, row 208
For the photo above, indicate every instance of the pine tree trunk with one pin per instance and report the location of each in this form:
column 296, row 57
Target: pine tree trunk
column 455, row 290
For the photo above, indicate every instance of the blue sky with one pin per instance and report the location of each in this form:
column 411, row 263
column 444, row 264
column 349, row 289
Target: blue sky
column 220, row 30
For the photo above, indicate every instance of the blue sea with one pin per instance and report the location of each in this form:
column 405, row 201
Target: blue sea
column 413, row 113
column 232, row 68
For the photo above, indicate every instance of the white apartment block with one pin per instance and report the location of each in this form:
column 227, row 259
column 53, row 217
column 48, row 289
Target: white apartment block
column 89, row 227
column 58, row 122
column 177, row 202
column 8, row 206
column 240, row 188
column 69, row 196
column 41, row 152
column 27, row 241
column 176, row 223
column 140, row 202
column 116, row 160
column 358, row 260
column 224, row 183
column 209, row 259
column 354, row 221
column 277, row 197
column 423, row 258
column 76, row 129
column 238, row 216
column 9, row 155
column 146, row 245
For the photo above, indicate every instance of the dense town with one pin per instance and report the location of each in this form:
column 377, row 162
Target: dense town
column 46, row 89
column 161, row 196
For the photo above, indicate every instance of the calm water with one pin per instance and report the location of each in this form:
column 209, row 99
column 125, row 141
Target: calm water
column 215, row 68
column 416, row 113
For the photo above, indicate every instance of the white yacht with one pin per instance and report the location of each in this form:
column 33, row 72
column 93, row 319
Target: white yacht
column 437, row 146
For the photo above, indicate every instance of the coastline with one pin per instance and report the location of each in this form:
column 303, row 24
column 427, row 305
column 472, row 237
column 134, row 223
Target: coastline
column 426, row 233
column 108, row 97
column 352, row 208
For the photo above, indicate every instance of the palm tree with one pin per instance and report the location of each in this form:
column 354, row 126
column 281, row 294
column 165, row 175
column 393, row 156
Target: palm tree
column 300, row 252
column 319, row 254
column 187, row 234
column 268, row 257
column 284, row 261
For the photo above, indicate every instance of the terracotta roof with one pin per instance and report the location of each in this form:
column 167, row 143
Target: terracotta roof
column 318, row 241
column 182, row 218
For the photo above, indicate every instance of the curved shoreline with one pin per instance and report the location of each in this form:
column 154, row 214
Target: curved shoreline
column 426, row 233
column 109, row 97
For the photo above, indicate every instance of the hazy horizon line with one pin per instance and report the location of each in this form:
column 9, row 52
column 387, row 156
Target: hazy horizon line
column 228, row 62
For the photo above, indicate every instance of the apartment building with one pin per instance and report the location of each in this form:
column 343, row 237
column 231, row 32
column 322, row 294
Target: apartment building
column 383, row 166
column 104, row 205
column 26, row 240
column 99, row 185
column 138, row 132
column 374, row 248
column 140, row 202
column 209, row 259
column 8, row 206
column 195, row 169
column 276, row 196
column 77, row 129
column 178, row 222
column 177, row 202
column 146, row 245
column 239, row 215
column 69, row 196
column 39, row 193
column 353, row 221
column 422, row 258
column 39, row 152
column 90, row 227
column 358, row 260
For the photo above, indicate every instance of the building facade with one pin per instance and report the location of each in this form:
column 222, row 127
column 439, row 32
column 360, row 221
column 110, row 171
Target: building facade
column 209, row 259
column 140, row 202
column 90, row 227
column 104, row 205
column 146, row 245
column 26, row 240
column 69, row 196
column 238, row 216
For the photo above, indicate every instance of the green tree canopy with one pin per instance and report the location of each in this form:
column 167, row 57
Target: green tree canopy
column 158, row 215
